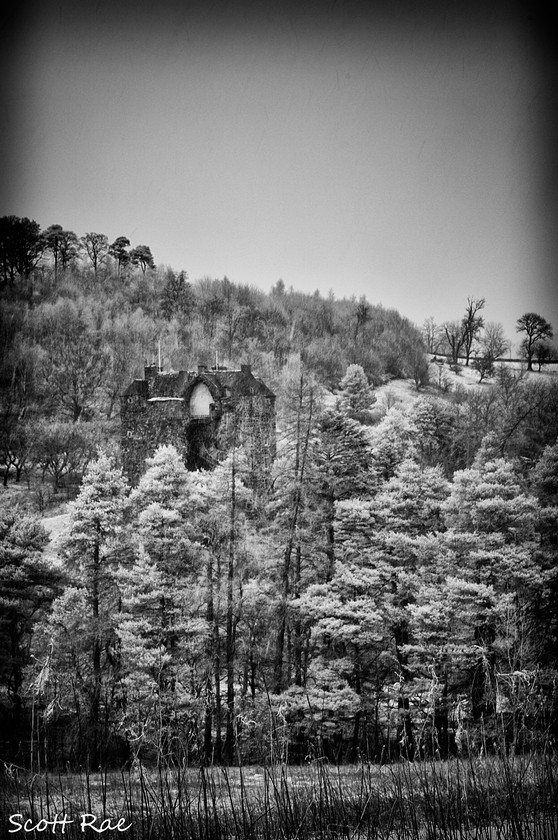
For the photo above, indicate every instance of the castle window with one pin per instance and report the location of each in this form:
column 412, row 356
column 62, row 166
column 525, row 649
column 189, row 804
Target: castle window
column 200, row 401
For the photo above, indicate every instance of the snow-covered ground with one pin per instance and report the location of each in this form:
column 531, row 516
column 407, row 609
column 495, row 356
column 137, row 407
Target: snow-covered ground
column 56, row 527
column 404, row 391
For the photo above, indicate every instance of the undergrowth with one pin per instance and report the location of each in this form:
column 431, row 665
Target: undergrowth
column 484, row 798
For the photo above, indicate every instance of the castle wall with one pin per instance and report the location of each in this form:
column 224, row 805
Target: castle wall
column 201, row 420
column 148, row 424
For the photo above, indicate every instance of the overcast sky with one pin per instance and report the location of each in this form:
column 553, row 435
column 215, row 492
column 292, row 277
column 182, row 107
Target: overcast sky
column 403, row 154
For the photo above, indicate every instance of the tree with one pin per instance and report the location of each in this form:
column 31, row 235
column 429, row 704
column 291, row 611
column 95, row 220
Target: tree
column 435, row 422
column 63, row 244
column 75, row 361
column 418, row 366
column 161, row 626
column 209, row 304
column 492, row 540
column 472, row 324
column 141, row 255
column 28, row 584
column 383, row 540
column 356, row 395
column 493, row 341
column 393, row 440
column 455, row 337
column 433, row 335
column 542, row 352
column 292, row 488
column 126, row 337
column 177, row 296
column 484, row 366
column 190, row 531
column 445, row 627
column 61, row 450
column 21, row 247
column 92, row 552
column 544, row 485
column 536, row 329
column 96, row 246
column 341, row 467
column 362, row 314
column 15, row 445
column 119, row 253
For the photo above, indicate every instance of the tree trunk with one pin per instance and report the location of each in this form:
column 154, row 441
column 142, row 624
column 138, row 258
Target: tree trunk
column 218, row 748
column 405, row 734
column 96, row 661
column 231, row 627
column 297, row 629
column 301, row 451
column 210, row 617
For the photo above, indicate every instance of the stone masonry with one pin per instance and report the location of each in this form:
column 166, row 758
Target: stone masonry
column 201, row 413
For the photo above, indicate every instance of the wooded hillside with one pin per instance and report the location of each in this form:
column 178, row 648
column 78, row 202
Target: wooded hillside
column 393, row 592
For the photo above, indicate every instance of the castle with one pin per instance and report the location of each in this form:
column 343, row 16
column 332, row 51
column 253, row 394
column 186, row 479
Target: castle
column 203, row 414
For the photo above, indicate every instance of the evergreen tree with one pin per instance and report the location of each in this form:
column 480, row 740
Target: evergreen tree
column 356, row 395
column 28, row 584
column 92, row 551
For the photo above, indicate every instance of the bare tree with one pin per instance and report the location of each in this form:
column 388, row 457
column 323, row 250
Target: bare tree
column 96, row 246
column 493, row 342
column 455, row 337
column 433, row 335
column 472, row 324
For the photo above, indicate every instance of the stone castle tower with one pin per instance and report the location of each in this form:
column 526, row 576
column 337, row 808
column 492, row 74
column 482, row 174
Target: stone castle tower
column 201, row 413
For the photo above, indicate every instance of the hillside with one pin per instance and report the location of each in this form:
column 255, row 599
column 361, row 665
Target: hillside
column 365, row 566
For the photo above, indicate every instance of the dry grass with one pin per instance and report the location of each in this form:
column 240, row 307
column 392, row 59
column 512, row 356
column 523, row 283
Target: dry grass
column 488, row 798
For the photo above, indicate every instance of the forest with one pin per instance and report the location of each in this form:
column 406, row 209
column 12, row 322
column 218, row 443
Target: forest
column 391, row 595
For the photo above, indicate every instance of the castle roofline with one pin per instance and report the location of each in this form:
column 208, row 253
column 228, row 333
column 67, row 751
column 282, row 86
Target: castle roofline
column 224, row 383
column 139, row 387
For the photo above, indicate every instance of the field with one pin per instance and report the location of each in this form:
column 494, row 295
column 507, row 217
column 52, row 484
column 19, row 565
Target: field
column 483, row 798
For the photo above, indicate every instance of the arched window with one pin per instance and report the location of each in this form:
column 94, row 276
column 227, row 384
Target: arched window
column 200, row 401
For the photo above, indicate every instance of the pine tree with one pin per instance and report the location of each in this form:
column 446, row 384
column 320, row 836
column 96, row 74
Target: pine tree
column 92, row 552
column 162, row 621
column 491, row 541
column 356, row 395
column 28, row 584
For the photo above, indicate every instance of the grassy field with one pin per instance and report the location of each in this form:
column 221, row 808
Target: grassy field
column 510, row 797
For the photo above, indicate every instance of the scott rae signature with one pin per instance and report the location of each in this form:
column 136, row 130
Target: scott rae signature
column 60, row 821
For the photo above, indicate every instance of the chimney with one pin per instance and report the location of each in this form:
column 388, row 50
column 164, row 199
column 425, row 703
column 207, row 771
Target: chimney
column 202, row 368
column 246, row 368
column 150, row 371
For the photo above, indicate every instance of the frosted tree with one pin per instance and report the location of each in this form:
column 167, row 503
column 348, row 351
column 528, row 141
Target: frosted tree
column 289, row 504
column 492, row 540
column 79, row 641
column 28, row 584
column 444, row 622
column 341, row 467
column 411, row 502
column 161, row 623
column 356, row 395
column 436, row 422
column 348, row 639
column 393, row 440
column 190, row 529
column 544, row 486
column 383, row 539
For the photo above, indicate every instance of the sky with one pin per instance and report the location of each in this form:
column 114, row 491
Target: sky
column 403, row 151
